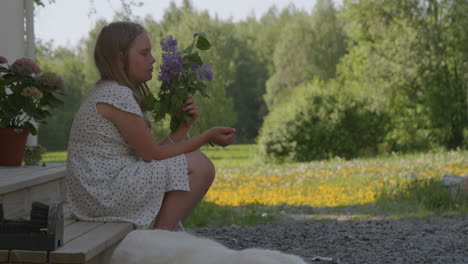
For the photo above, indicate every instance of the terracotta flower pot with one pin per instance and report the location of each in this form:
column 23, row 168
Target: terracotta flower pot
column 13, row 143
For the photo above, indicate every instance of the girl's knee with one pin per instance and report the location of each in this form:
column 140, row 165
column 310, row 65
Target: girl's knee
column 199, row 163
column 210, row 168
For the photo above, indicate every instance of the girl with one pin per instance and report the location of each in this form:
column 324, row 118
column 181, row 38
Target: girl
column 116, row 171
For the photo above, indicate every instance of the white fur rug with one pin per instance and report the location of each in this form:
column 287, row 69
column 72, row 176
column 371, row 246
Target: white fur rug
column 165, row 247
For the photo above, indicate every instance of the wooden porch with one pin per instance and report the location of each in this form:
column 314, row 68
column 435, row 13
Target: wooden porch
column 84, row 242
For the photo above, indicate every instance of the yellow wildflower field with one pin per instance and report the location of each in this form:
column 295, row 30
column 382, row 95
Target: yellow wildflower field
column 330, row 183
column 241, row 179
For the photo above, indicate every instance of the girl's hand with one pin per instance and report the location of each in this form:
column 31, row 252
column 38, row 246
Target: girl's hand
column 190, row 107
column 221, row 136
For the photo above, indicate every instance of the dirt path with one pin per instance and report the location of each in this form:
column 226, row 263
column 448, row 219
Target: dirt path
column 434, row 240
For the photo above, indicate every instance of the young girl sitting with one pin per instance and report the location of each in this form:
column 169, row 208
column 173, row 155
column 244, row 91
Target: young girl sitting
column 116, row 170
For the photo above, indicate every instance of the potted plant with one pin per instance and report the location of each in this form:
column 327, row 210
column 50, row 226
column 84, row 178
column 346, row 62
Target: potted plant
column 33, row 154
column 26, row 95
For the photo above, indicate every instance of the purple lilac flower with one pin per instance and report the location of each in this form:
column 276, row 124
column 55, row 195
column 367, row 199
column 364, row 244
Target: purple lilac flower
column 51, row 81
column 206, row 72
column 195, row 67
column 171, row 66
column 168, row 44
column 32, row 92
column 25, row 66
column 3, row 60
column 203, row 72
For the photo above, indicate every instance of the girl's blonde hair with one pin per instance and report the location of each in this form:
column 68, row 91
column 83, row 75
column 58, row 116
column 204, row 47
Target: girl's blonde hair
column 114, row 41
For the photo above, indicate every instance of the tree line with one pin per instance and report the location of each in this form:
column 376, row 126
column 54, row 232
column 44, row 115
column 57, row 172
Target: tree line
column 372, row 76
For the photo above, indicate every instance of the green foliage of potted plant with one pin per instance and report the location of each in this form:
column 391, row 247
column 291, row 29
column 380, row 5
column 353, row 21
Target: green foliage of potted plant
column 26, row 95
column 33, row 154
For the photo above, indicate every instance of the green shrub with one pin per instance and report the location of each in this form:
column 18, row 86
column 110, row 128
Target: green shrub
column 320, row 120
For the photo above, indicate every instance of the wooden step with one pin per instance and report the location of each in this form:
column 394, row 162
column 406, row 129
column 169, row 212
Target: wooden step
column 84, row 242
column 20, row 186
column 92, row 246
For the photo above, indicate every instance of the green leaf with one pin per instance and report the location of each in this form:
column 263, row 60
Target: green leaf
column 156, row 107
column 38, row 114
column 175, row 122
column 31, row 128
column 202, row 42
column 163, row 108
column 39, row 3
column 195, row 58
column 187, row 117
column 182, row 93
column 158, row 117
column 189, row 48
column 52, row 101
column 46, row 112
column 149, row 102
column 165, row 86
column 201, row 87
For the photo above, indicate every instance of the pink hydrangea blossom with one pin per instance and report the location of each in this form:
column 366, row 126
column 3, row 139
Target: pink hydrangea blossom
column 32, row 92
column 29, row 93
column 25, row 66
column 51, row 81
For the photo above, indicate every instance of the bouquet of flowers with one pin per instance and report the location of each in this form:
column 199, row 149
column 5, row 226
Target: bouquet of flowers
column 181, row 73
column 26, row 94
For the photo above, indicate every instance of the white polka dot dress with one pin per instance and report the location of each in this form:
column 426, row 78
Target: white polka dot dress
column 106, row 179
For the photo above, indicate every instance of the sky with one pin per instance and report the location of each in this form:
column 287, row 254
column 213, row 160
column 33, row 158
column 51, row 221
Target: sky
column 65, row 22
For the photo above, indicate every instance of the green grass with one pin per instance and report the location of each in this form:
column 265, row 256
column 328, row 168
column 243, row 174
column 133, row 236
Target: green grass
column 55, row 157
column 410, row 186
column 234, row 156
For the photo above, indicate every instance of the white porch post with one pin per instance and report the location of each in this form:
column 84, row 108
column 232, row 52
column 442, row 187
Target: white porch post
column 30, row 48
column 12, row 29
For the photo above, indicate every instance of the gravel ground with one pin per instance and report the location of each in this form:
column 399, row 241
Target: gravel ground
column 432, row 240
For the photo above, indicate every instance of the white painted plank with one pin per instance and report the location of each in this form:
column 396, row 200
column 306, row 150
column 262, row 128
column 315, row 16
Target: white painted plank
column 78, row 229
column 27, row 256
column 87, row 246
column 21, row 170
column 66, row 208
column 28, row 177
column 4, row 256
column 47, row 193
column 106, row 255
column 63, row 189
column 68, row 220
column 16, row 204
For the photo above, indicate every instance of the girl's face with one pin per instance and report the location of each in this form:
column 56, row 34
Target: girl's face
column 140, row 60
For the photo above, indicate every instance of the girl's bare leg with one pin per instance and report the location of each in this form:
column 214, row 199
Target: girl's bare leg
column 177, row 205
